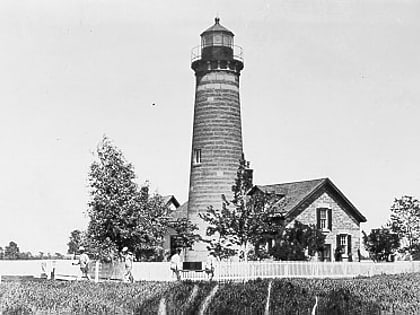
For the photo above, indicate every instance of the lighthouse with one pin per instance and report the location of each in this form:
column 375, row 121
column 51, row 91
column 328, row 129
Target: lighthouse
column 217, row 133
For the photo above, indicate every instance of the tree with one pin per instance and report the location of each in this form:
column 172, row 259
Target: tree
column 1, row 253
column 292, row 242
column 58, row 256
column 11, row 251
column 185, row 231
column 76, row 240
column 122, row 214
column 25, row 255
column 148, row 239
column 115, row 208
column 405, row 220
column 240, row 222
column 380, row 243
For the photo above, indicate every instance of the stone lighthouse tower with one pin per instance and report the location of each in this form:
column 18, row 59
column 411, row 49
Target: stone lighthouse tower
column 217, row 134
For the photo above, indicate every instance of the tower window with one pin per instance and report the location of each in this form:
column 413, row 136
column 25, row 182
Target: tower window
column 197, row 157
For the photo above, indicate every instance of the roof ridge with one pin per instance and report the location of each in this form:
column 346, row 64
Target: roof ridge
column 300, row 181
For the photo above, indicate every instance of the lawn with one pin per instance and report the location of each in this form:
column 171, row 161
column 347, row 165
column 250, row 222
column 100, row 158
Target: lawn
column 386, row 294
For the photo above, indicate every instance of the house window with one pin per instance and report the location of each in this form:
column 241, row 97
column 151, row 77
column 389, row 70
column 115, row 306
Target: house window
column 343, row 242
column 197, row 156
column 324, row 219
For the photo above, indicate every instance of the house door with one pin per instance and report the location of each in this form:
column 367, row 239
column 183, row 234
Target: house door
column 326, row 253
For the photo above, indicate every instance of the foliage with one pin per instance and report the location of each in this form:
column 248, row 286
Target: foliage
column 292, row 242
column 240, row 222
column 122, row 214
column 114, row 208
column 405, row 220
column 185, row 230
column 11, row 251
column 380, row 243
column 76, row 240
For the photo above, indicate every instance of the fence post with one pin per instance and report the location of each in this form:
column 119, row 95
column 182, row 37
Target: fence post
column 97, row 271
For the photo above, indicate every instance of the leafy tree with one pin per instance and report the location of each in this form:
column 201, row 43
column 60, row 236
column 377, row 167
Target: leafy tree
column 157, row 221
column 240, row 222
column 58, row 256
column 149, row 238
column 115, row 210
column 405, row 220
column 122, row 214
column 11, row 251
column 76, row 240
column 185, row 230
column 291, row 243
column 380, row 243
column 1, row 253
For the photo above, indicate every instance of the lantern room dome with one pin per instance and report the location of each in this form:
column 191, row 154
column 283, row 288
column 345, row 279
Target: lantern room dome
column 217, row 27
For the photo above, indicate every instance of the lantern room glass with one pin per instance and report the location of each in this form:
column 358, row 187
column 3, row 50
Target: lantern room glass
column 217, row 39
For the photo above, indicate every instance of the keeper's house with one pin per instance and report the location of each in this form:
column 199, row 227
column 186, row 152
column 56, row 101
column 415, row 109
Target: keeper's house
column 319, row 202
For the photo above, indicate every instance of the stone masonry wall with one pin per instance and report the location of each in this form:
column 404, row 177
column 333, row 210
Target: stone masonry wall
column 217, row 133
column 342, row 221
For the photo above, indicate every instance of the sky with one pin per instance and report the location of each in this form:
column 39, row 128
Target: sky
column 330, row 88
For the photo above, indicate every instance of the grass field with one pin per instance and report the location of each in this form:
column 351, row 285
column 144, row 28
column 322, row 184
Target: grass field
column 387, row 294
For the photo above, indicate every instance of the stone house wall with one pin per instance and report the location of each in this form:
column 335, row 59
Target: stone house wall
column 342, row 221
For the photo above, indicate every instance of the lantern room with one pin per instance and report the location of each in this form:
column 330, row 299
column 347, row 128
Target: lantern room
column 217, row 43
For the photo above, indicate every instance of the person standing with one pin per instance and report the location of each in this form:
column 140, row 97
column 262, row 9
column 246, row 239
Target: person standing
column 128, row 265
column 210, row 265
column 175, row 263
column 83, row 262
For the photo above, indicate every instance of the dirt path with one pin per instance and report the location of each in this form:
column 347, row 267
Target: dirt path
column 193, row 295
column 267, row 304
column 162, row 303
column 208, row 300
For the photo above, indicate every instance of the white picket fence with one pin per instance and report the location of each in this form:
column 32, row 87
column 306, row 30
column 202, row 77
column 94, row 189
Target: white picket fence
column 297, row 269
column 160, row 271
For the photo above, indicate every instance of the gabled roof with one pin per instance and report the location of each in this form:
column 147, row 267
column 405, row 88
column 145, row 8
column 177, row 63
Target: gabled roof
column 170, row 198
column 295, row 194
